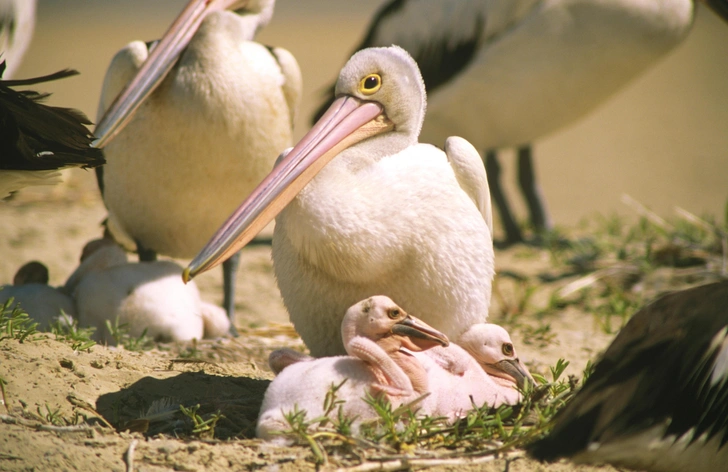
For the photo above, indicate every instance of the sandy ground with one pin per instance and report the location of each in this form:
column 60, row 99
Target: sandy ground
column 662, row 140
column 52, row 225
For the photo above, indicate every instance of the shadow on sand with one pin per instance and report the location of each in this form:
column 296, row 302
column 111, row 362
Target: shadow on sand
column 152, row 406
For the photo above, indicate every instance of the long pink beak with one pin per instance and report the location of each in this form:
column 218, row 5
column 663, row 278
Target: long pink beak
column 160, row 61
column 347, row 121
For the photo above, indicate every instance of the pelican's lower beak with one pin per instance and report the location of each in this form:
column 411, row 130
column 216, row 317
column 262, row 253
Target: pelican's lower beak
column 510, row 371
column 160, row 61
column 347, row 121
column 418, row 335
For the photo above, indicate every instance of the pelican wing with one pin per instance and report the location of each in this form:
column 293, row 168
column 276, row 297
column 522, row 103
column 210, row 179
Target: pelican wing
column 470, row 174
column 122, row 69
column 35, row 136
column 667, row 366
column 293, row 82
column 442, row 38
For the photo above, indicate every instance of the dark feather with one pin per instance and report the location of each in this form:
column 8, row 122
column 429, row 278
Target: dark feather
column 439, row 56
column 34, row 136
column 656, row 371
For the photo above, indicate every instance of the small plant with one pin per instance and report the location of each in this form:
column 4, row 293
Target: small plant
column 120, row 335
column 483, row 431
column 53, row 417
column 66, row 329
column 15, row 323
column 203, row 428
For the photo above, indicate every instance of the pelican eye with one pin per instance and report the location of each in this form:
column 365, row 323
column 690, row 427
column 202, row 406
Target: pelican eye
column 508, row 349
column 370, row 84
column 394, row 313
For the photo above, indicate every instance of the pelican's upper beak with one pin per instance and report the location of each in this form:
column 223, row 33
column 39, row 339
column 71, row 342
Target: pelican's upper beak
column 347, row 121
column 160, row 61
column 418, row 335
column 509, row 371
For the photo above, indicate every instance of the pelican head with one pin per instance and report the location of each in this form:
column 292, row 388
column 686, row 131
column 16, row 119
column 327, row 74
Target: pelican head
column 379, row 110
column 492, row 347
column 379, row 317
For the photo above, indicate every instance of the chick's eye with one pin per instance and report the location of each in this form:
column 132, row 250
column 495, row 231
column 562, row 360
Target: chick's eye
column 370, row 84
column 508, row 349
column 394, row 313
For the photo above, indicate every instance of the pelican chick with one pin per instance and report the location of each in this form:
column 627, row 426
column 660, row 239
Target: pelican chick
column 483, row 370
column 373, row 330
column 145, row 296
column 362, row 208
column 658, row 398
column 45, row 304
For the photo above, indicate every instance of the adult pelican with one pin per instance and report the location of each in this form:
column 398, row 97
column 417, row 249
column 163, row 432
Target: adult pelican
column 383, row 214
column 658, row 398
column 38, row 140
column 504, row 73
column 206, row 136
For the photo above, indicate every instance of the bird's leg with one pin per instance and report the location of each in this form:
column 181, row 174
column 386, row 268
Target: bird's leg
column 492, row 169
column 145, row 255
column 283, row 357
column 229, row 273
column 531, row 191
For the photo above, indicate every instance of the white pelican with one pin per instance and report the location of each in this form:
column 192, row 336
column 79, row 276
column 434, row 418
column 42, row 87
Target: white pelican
column 658, row 398
column 43, row 303
column 383, row 214
column 145, row 296
column 206, row 136
column 504, row 73
column 373, row 330
column 37, row 140
column 17, row 22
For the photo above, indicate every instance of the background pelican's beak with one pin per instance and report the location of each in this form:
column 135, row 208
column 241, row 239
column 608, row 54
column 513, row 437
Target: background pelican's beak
column 161, row 59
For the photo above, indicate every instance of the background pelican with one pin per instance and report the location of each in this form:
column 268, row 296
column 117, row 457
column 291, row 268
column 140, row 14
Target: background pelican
column 658, row 398
column 148, row 297
column 204, row 138
column 385, row 215
column 504, row 73
column 17, row 22
column 45, row 304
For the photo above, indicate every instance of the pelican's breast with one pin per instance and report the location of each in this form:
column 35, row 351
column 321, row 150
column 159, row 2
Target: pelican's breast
column 215, row 125
column 362, row 223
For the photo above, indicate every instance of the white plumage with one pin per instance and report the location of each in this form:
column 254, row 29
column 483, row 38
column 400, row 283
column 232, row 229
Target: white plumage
column 505, row 73
column 145, row 296
column 204, row 138
column 374, row 330
column 385, row 215
column 17, row 22
column 45, row 304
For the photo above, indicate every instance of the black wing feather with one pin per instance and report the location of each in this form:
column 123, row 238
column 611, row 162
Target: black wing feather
column 34, row 136
column 441, row 55
column 657, row 369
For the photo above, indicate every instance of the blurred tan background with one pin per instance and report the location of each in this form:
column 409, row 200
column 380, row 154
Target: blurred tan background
column 663, row 139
